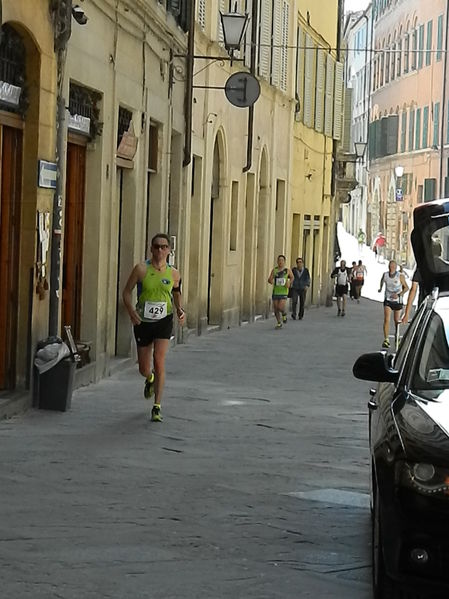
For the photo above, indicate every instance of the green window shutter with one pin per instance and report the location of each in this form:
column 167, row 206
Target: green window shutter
column 436, row 123
column 309, row 82
column 403, row 130
column 319, row 97
column 421, row 47
column 418, row 129
column 439, row 37
column 392, row 134
column 429, row 43
column 425, row 127
column 411, row 130
column 430, row 186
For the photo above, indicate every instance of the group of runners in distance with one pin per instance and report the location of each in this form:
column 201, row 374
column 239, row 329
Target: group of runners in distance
column 348, row 280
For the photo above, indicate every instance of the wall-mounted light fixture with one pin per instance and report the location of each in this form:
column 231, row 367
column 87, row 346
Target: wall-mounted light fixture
column 360, row 148
column 234, row 26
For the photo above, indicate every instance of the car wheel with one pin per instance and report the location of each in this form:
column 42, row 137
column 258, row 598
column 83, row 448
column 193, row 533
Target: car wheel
column 384, row 587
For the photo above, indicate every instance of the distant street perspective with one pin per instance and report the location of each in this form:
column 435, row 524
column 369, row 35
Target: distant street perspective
column 255, row 484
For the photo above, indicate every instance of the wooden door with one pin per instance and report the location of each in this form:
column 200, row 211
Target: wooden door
column 73, row 238
column 10, row 189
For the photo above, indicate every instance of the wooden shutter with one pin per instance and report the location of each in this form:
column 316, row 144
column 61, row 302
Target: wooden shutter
column 329, row 96
column 276, row 46
column 347, row 120
column 300, row 71
column 319, row 95
column 201, row 14
column 265, row 23
column 222, row 7
column 309, row 71
column 338, row 100
column 285, row 49
column 248, row 40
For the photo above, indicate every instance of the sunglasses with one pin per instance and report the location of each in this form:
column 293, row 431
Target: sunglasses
column 160, row 246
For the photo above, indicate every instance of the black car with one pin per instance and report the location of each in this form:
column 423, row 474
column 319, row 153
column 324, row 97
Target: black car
column 409, row 432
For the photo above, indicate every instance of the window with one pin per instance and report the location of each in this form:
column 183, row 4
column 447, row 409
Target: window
column 425, row 127
column 420, row 46
column 414, row 48
column 439, row 37
column 309, row 83
column 411, row 129
column 436, row 123
column 284, row 49
column 429, row 43
column 403, row 130
column 432, row 369
column 399, row 59
column 418, row 129
column 201, row 14
column 406, row 53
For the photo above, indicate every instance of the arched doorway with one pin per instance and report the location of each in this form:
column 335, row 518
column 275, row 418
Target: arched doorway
column 262, row 245
column 216, row 230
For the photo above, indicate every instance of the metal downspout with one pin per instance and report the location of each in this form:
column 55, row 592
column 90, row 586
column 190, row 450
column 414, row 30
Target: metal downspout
column 249, row 146
column 188, row 98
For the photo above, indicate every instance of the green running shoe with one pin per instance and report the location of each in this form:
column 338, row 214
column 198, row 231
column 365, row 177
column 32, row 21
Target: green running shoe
column 156, row 413
column 278, row 325
column 148, row 390
column 386, row 343
column 284, row 318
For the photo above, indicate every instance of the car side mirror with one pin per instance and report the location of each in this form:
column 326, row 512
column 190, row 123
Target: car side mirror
column 375, row 366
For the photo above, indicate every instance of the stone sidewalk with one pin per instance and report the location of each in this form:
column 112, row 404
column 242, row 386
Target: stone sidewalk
column 254, row 486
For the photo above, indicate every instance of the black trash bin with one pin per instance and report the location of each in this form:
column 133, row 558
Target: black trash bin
column 54, row 370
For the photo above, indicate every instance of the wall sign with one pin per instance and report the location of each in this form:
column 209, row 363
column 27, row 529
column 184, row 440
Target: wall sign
column 46, row 174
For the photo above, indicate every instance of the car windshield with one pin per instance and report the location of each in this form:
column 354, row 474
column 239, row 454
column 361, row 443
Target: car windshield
column 432, row 367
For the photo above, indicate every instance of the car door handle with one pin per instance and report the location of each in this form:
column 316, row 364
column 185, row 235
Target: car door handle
column 372, row 391
column 372, row 405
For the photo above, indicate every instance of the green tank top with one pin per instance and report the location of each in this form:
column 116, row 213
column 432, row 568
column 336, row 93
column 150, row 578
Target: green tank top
column 280, row 282
column 154, row 294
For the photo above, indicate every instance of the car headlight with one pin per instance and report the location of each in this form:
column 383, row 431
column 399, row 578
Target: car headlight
column 425, row 478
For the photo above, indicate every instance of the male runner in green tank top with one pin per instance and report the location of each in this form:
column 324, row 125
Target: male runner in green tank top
column 281, row 278
column 158, row 295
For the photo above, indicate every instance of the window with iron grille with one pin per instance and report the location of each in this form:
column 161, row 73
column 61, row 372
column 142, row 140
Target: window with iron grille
column 124, row 120
column 13, row 68
column 85, row 102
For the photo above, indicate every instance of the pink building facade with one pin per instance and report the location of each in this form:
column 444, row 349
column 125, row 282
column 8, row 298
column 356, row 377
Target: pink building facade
column 409, row 111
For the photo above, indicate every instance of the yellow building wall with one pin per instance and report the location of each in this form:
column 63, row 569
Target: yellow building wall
column 312, row 217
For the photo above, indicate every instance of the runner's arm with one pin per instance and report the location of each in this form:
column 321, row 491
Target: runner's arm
column 132, row 281
column 177, row 297
column 271, row 277
column 410, row 299
column 381, row 284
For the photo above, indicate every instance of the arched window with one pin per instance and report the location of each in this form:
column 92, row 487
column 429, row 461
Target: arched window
column 387, row 61
column 399, row 55
column 414, row 45
column 407, row 49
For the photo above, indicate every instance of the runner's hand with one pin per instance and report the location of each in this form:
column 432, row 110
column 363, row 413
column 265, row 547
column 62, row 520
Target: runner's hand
column 135, row 318
column 181, row 316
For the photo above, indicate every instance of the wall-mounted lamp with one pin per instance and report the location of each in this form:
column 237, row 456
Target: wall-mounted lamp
column 360, row 148
column 234, row 25
column 399, row 194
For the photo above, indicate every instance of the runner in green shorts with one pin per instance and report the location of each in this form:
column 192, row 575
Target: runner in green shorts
column 281, row 278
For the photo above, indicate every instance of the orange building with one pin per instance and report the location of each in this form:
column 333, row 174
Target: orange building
column 408, row 131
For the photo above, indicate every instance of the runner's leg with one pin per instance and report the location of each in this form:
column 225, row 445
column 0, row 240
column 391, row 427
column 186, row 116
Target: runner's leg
column 160, row 351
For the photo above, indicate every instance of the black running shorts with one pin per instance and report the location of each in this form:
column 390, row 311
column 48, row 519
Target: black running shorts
column 393, row 305
column 146, row 332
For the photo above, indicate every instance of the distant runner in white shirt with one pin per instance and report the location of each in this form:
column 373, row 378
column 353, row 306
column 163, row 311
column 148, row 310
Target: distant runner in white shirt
column 395, row 288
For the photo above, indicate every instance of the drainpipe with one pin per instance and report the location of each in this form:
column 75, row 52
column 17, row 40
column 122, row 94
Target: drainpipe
column 188, row 98
column 443, row 107
column 62, row 24
column 249, row 145
column 333, row 211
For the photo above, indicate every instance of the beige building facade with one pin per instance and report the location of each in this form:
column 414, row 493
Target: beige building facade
column 408, row 120
column 317, row 128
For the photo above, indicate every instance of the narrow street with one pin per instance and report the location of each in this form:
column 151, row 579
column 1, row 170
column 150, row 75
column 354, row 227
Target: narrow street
column 254, row 486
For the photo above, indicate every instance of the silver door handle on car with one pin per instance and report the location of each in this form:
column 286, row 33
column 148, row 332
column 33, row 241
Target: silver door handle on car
column 372, row 403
